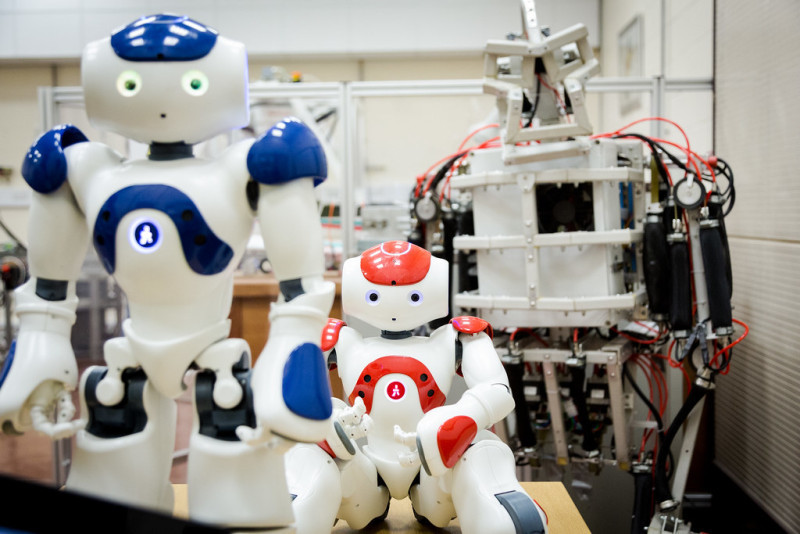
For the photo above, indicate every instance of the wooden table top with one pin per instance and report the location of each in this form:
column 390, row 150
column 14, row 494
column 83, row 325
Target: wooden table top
column 563, row 516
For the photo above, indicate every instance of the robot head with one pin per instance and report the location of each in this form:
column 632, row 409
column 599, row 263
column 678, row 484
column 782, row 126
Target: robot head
column 395, row 286
column 166, row 79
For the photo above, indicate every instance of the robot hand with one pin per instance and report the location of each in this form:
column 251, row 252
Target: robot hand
column 409, row 439
column 38, row 374
column 42, row 404
column 354, row 420
column 348, row 424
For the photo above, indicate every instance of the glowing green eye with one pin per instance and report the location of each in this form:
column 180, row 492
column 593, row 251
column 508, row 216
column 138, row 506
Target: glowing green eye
column 129, row 83
column 195, row 83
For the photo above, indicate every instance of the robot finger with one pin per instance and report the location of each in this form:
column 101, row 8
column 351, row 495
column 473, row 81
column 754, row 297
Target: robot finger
column 353, row 415
column 57, row 430
column 65, row 408
column 359, row 407
column 408, row 439
column 360, row 429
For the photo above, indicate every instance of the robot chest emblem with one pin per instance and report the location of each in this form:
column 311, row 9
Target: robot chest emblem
column 145, row 235
column 204, row 251
column 430, row 395
column 395, row 391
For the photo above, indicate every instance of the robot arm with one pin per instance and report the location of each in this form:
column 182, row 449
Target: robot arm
column 40, row 368
column 290, row 378
column 445, row 433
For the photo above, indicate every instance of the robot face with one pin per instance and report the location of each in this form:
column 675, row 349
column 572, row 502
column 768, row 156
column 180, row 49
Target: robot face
column 166, row 79
column 395, row 286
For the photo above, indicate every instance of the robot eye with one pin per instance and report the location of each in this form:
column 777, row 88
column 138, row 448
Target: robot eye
column 373, row 297
column 129, row 83
column 415, row 298
column 195, row 83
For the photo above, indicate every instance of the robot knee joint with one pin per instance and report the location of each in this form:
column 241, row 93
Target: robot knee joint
column 221, row 423
column 122, row 419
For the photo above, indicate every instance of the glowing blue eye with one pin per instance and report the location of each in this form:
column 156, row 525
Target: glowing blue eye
column 373, row 297
column 415, row 298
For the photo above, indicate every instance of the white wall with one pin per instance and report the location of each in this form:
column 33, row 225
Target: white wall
column 758, row 403
column 687, row 52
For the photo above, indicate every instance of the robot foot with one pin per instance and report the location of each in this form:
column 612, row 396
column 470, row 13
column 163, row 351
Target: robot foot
column 527, row 516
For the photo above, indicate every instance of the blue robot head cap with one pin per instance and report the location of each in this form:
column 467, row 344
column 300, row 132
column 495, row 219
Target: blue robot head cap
column 163, row 38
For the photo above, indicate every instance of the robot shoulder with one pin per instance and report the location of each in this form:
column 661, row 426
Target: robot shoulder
column 287, row 151
column 45, row 164
column 330, row 334
column 471, row 325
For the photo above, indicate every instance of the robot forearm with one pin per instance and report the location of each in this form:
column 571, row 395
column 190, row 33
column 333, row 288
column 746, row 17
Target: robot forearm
column 486, row 404
column 40, row 310
column 290, row 379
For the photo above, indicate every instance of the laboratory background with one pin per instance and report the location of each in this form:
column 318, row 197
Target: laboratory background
column 396, row 94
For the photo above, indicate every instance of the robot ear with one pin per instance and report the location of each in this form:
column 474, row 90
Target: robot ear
column 395, row 263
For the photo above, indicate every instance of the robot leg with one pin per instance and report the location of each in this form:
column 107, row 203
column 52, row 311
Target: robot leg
column 230, row 482
column 364, row 498
column 316, row 485
column 125, row 452
column 487, row 496
column 431, row 500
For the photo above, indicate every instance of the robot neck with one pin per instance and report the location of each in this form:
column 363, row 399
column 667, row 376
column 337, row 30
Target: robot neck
column 402, row 334
column 169, row 151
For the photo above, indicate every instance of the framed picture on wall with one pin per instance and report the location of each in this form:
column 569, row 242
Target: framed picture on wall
column 631, row 62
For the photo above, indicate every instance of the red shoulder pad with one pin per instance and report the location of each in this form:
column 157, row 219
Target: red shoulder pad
column 330, row 334
column 471, row 325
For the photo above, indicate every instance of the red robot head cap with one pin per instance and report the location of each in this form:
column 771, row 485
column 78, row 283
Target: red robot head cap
column 395, row 263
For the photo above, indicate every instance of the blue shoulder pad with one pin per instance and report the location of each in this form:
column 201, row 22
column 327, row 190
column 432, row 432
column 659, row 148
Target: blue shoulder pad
column 287, row 151
column 45, row 166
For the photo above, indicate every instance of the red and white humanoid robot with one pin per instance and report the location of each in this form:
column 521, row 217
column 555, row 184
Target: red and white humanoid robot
column 441, row 456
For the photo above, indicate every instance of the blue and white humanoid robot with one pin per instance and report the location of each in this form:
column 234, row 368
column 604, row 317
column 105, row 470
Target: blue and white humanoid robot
column 171, row 229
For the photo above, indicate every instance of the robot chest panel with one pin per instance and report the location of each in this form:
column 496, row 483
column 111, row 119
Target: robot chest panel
column 146, row 217
column 407, row 378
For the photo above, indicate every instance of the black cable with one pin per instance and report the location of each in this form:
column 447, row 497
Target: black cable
column 535, row 102
column 627, row 374
column 442, row 172
column 578, row 394
column 672, row 157
column 525, row 433
column 663, row 493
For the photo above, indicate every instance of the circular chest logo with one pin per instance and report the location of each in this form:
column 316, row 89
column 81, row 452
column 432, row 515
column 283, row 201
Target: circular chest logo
column 395, row 391
column 145, row 236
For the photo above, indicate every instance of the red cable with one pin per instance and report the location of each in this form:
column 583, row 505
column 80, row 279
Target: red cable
column 467, row 138
column 731, row 345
